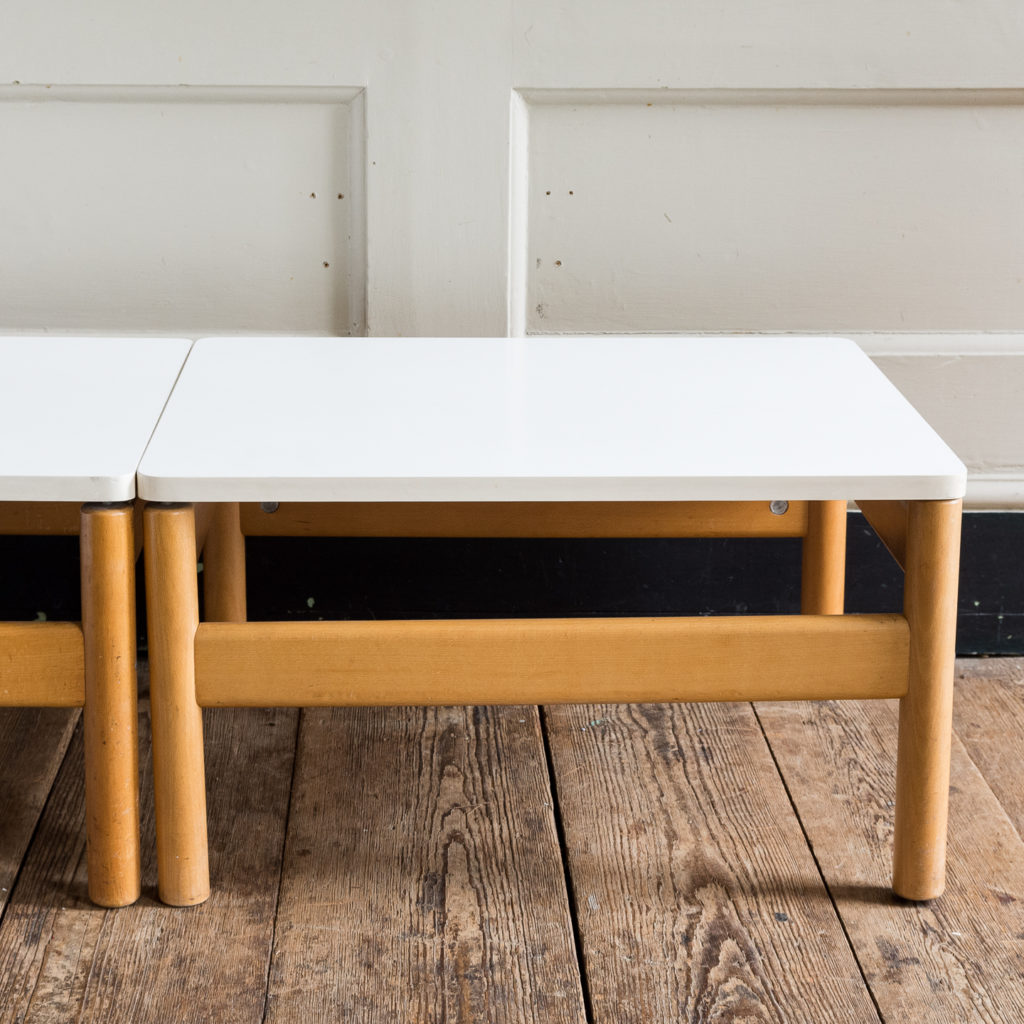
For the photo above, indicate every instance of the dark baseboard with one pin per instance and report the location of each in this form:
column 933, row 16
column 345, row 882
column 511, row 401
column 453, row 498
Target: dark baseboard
column 387, row 579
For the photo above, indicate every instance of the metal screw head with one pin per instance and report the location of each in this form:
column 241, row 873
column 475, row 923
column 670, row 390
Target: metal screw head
column 269, row 506
column 779, row 508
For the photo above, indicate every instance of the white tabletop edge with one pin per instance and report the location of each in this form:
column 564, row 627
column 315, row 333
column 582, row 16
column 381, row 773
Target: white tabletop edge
column 156, row 422
column 500, row 489
column 109, row 488
column 100, row 465
column 181, row 470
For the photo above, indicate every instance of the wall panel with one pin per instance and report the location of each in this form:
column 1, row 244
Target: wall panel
column 182, row 210
column 730, row 210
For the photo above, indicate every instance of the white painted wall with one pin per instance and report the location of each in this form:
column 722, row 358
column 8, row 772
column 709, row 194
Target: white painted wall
column 734, row 165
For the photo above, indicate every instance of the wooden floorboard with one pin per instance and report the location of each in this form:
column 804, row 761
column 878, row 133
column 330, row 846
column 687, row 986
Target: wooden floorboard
column 61, row 959
column 33, row 742
column 423, row 880
column 988, row 716
column 424, row 876
column 696, row 896
column 957, row 958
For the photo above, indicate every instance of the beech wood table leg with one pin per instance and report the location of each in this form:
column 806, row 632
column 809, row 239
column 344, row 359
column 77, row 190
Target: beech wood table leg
column 111, row 703
column 823, row 578
column 224, row 566
column 172, row 602
column 926, row 712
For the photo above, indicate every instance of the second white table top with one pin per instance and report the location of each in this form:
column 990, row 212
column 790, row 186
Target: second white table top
column 76, row 413
column 545, row 418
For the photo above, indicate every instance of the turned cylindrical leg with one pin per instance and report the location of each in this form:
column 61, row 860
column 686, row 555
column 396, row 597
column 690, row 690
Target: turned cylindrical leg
column 823, row 578
column 926, row 712
column 172, row 609
column 224, row 565
column 111, row 704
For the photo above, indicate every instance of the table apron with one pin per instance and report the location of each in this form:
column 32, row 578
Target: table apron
column 633, row 519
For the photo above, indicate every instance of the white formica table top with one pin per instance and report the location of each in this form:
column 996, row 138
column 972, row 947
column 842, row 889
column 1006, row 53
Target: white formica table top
column 76, row 413
column 543, row 418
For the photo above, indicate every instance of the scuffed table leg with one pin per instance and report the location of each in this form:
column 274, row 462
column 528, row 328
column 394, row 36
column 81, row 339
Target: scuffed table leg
column 922, row 772
column 111, row 703
column 172, row 602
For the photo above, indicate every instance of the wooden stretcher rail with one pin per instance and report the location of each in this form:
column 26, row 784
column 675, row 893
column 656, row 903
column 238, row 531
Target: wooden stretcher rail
column 547, row 661
column 42, row 664
column 526, row 519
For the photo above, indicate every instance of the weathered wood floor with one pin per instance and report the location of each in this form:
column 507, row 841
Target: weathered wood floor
column 613, row 864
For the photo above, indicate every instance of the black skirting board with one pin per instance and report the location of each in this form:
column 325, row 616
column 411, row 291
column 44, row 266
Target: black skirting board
column 388, row 578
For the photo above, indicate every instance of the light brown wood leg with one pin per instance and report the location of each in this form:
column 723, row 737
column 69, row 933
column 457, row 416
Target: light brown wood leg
column 926, row 712
column 823, row 578
column 224, row 566
column 111, row 704
column 172, row 607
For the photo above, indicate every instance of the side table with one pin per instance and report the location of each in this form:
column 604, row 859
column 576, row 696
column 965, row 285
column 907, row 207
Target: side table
column 557, row 437
column 75, row 417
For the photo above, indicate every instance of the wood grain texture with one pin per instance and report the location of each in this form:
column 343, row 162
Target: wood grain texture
column 674, row 808
column 172, row 605
column 695, row 895
column 988, row 716
column 506, row 661
column 32, row 746
column 43, row 665
column 110, row 718
column 926, row 711
column 823, row 570
column 42, row 518
column 959, row 957
column 525, row 519
column 62, row 959
column 223, row 551
column 422, row 878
